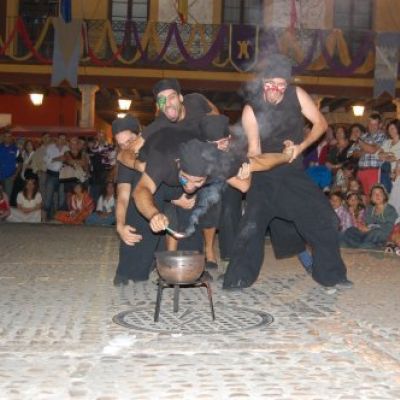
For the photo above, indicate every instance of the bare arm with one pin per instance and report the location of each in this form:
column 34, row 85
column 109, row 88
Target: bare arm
column 123, row 192
column 311, row 112
column 214, row 109
column 267, row 161
column 250, row 127
column 126, row 232
column 144, row 200
column 143, row 196
column 240, row 184
column 368, row 148
column 127, row 158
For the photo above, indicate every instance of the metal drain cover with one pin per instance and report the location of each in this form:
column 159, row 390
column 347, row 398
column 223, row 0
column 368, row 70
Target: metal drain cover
column 194, row 321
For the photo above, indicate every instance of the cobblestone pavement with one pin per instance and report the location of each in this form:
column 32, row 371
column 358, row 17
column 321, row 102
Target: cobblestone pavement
column 58, row 339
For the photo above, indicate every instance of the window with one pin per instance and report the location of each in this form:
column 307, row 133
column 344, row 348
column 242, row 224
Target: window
column 242, row 11
column 353, row 17
column 34, row 9
column 136, row 10
column 34, row 13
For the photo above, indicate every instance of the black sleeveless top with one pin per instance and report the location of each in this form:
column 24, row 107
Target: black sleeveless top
column 279, row 122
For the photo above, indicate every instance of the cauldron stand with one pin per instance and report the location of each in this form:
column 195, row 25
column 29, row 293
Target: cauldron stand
column 200, row 282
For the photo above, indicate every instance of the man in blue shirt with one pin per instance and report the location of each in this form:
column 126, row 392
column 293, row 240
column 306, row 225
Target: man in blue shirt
column 8, row 163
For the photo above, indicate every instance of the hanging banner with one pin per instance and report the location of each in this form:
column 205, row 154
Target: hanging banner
column 386, row 63
column 243, row 46
column 66, row 10
column 66, row 53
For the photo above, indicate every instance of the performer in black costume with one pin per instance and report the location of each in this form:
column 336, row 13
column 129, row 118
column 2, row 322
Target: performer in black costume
column 138, row 242
column 275, row 115
column 183, row 113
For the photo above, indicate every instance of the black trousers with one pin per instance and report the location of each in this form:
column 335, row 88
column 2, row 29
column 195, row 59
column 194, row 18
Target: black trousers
column 228, row 227
column 288, row 194
column 136, row 262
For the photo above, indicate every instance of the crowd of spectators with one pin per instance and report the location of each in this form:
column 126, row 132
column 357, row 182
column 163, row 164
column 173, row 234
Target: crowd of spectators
column 72, row 181
column 58, row 180
column 359, row 170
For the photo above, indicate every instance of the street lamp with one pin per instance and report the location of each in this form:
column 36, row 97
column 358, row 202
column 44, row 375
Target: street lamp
column 36, row 98
column 124, row 104
column 358, row 110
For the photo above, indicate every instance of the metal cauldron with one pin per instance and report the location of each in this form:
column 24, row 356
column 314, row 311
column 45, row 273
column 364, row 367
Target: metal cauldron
column 180, row 267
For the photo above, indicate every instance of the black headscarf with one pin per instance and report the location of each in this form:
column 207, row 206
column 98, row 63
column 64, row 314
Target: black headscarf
column 197, row 158
column 165, row 84
column 214, row 127
column 128, row 123
column 276, row 66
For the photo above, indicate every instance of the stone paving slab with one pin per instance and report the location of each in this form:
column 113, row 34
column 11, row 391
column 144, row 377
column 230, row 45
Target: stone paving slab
column 58, row 339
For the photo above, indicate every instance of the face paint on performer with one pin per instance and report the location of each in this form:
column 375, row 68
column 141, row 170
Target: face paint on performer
column 274, row 89
column 191, row 184
column 170, row 103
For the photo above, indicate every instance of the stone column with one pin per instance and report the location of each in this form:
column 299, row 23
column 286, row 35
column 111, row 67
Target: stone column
column 88, row 105
column 396, row 102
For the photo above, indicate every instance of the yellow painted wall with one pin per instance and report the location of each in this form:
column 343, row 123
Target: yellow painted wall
column 386, row 16
column 90, row 9
column 217, row 12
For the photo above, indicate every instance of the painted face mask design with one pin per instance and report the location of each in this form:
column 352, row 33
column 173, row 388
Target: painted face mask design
column 161, row 102
column 274, row 88
column 183, row 181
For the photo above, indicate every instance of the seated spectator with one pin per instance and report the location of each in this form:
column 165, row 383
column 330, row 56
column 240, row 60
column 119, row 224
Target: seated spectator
column 389, row 154
column 354, row 153
column 340, row 133
column 330, row 136
column 380, row 218
column 343, row 176
column 337, row 155
column 356, row 208
column 4, row 204
column 80, row 206
column 314, row 163
column 317, row 153
column 29, row 204
column 354, row 185
column 105, row 210
column 394, row 198
column 336, row 200
column 75, row 166
column 393, row 244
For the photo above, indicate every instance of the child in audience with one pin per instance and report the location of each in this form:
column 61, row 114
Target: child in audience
column 355, row 187
column 80, row 206
column 336, row 200
column 105, row 210
column 380, row 218
column 356, row 208
column 344, row 175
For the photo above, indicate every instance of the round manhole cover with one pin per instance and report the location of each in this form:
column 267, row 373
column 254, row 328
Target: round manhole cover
column 228, row 319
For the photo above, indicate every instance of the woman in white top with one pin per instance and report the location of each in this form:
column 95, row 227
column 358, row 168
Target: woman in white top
column 105, row 210
column 29, row 204
column 390, row 151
